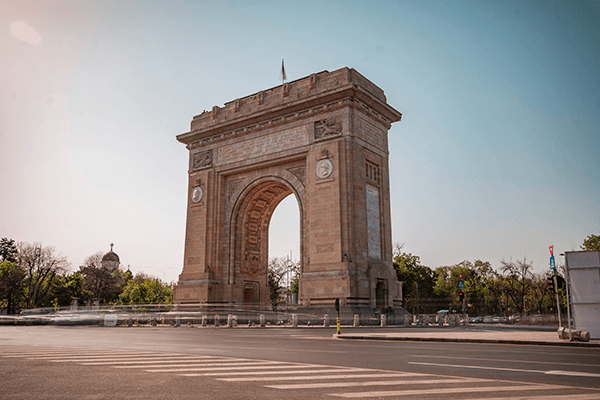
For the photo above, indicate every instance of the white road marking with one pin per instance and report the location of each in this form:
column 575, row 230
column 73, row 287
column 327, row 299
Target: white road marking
column 319, row 377
column 590, row 396
column 159, row 361
column 569, row 373
column 202, row 365
column 378, row 383
column 572, row 373
column 291, row 372
column 420, row 392
column 229, row 368
column 499, row 360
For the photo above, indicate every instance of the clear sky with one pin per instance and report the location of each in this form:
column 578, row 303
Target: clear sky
column 497, row 154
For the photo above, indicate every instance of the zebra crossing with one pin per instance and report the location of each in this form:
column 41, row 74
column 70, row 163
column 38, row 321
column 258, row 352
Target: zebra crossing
column 315, row 379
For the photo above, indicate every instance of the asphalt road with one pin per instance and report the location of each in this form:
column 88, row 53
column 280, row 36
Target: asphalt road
column 273, row 363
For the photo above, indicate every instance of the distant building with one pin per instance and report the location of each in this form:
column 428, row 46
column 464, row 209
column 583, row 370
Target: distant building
column 111, row 260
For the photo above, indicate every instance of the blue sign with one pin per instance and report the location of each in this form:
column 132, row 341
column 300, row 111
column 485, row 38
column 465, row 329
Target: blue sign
column 552, row 263
column 461, row 284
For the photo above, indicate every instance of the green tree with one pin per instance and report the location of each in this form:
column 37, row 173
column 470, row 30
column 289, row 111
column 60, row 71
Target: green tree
column 64, row 287
column 143, row 289
column 8, row 250
column 12, row 283
column 418, row 282
column 592, row 242
column 477, row 277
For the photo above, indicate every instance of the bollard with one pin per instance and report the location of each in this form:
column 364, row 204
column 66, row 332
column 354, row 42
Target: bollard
column 294, row 320
column 204, row 320
column 326, row 320
column 383, row 319
column 406, row 320
column 437, row 319
column 177, row 323
column 446, row 320
column 356, row 320
column 230, row 321
column 339, row 331
column 217, row 320
column 262, row 320
column 466, row 319
column 153, row 320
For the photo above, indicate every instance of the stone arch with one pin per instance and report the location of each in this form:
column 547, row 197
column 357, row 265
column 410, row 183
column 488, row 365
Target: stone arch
column 322, row 138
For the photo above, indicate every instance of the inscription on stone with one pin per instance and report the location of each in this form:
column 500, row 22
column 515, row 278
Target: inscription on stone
column 265, row 145
column 325, row 248
column 373, row 226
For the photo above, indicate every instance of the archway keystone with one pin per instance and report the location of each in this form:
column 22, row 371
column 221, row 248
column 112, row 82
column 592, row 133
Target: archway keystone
column 323, row 139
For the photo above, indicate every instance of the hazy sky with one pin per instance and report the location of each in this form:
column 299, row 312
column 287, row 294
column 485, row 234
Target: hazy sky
column 497, row 154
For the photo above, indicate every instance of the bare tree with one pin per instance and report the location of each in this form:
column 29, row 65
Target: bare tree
column 104, row 283
column 41, row 264
column 279, row 273
column 518, row 275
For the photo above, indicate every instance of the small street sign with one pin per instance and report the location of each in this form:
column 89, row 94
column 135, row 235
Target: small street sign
column 461, row 284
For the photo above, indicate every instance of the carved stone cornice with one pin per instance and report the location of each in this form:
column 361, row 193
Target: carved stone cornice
column 309, row 96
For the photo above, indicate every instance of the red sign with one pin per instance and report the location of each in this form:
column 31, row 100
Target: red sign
column 551, row 251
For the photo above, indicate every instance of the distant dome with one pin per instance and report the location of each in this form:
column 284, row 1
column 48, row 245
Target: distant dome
column 111, row 257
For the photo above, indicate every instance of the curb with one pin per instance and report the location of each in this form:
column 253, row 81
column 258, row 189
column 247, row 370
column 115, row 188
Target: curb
column 457, row 340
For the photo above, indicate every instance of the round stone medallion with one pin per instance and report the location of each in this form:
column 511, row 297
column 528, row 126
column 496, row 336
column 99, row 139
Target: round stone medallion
column 324, row 168
column 197, row 194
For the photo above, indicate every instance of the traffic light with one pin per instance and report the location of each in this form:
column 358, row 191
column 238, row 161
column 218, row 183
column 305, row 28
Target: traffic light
column 461, row 294
column 550, row 283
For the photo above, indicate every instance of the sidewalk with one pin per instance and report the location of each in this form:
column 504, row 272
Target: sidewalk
column 469, row 334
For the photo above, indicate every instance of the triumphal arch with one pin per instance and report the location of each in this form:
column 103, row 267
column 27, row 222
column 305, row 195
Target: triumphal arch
column 322, row 139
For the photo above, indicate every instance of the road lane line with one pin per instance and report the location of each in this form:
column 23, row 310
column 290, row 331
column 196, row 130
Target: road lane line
column 420, row 392
column 320, row 377
column 378, row 383
column 568, row 373
column 572, row 373
column 500, row 360
column 589, row 396
column 477, row 367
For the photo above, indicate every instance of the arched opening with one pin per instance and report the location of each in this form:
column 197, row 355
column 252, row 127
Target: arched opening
column 284, row 253
column 253, row 217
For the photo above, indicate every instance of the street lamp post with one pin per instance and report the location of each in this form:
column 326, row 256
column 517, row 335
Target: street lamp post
column 568, row 302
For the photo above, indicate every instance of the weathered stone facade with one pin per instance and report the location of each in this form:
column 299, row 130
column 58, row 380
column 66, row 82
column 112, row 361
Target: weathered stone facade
column 323, row 139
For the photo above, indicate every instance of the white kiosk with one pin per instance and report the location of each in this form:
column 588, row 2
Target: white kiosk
column 583, row 274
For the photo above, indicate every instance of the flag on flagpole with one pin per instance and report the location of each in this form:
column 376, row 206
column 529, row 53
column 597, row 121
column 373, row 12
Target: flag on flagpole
column 283, row 77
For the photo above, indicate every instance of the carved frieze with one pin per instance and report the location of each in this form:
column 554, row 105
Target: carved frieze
column 300, row 173
column 251, row 264
column 328, row 127
column 202, row 160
